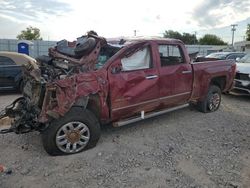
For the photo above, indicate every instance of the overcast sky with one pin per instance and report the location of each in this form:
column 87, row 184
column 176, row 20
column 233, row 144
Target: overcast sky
column 59, row 19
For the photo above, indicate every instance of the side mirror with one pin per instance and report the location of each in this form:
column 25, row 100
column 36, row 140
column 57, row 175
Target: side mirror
column 115, row 70
column 237, row 59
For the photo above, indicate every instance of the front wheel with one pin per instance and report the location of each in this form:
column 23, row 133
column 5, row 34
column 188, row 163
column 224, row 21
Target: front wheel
column 212, row 101
column 77, row 131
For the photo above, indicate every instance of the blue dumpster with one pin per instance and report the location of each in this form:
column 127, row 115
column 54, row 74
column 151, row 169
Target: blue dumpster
column 23, row 48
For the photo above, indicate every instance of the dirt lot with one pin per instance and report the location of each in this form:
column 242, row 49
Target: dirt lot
column 185, row 148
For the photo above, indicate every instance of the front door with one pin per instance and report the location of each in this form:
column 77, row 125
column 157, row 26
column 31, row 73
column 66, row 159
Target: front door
column 133, row 83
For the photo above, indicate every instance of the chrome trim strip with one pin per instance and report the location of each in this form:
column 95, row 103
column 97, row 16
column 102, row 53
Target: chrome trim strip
column 6, row 66
column 149, row 101
column 128, row 121
column 6, row 87
column 186, row 72
column 151, row 77
column 243, row 89
column 242, row 80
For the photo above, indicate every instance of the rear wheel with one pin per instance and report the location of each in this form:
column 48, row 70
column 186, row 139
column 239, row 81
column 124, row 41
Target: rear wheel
column 77, row 131
column 212, row 101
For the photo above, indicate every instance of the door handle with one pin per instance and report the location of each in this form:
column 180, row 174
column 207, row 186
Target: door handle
column 186, row 72
column 149, row 77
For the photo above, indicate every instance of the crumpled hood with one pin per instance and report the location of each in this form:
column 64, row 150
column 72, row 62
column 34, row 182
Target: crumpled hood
column 243, row 68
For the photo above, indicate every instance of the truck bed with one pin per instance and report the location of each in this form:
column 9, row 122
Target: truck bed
column 205, row 71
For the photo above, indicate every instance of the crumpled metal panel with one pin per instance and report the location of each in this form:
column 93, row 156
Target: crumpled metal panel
column 88, row 61
column 61, row 94
column 67, row 91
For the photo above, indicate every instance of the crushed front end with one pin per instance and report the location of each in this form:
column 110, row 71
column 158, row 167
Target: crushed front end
column 53, row 83
column 24, row 111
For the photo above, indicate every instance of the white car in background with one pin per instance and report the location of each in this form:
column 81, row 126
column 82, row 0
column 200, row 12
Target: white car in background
column 242, row 78
column 226, row 55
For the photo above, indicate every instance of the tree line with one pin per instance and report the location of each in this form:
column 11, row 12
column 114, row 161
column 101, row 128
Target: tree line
column 187, row 38
column 33, row 33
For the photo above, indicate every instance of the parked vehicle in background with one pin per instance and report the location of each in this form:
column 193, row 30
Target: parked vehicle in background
column 68, row 96
column 242, row 78
column 11, row 70
column 226, row 55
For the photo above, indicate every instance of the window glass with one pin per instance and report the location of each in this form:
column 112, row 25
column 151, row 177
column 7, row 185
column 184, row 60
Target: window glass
column 235, row 56
column 232, row 57
column 245, row 59
column 139, row 60
column 6, row 61
column 170, row 55
column 217, row 55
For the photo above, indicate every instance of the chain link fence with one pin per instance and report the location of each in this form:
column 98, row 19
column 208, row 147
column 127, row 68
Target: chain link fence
column 38, row 47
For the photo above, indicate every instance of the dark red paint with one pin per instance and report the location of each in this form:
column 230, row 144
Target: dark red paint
column 126, row 94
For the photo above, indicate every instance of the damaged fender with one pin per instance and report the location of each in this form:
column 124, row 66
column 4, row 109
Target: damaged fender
column 61, row 95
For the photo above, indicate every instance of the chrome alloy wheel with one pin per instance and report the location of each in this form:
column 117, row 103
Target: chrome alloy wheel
column 72, row 137
column 214, row 102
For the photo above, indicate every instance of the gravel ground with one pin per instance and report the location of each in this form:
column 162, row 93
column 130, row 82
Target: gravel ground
column 184, row 148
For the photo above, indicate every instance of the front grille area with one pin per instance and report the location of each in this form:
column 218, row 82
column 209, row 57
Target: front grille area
column 34, row 91
column 238, row 84
column 242, row 76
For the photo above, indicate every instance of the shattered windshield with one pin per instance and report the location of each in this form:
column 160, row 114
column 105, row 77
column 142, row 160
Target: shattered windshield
column 106, row 53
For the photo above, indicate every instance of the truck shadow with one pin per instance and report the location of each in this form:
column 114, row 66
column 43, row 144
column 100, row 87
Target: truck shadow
column 149, row 123
column 242, row 98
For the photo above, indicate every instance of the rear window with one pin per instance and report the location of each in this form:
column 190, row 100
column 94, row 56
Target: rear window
column 6, row 61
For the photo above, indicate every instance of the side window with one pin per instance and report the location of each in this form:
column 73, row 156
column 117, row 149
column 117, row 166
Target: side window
column 140, row 59
column 6, row 61
column 170, row 55
column 232, row 57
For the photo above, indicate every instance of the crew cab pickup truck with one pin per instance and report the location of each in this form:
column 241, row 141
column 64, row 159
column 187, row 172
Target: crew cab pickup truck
column 67, row 97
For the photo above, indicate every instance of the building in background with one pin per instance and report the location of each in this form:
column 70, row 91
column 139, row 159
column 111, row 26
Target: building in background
column 205, row 49
column 242, row 46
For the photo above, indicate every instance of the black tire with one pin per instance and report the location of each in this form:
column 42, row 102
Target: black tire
column 226, row 93
column 84, row 48
column 76, row 114
column 212, row 101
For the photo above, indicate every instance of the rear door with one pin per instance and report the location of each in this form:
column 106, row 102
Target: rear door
column 175, row 75
column 133, row 79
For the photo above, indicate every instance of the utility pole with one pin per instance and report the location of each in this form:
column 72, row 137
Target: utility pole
column 195, row 33
column 135, row 32
column 233, row 30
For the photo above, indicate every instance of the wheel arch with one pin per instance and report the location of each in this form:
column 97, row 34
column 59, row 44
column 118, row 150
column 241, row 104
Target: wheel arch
column 219, row 81
column 90, row 102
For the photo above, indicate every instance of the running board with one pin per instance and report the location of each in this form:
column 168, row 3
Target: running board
column 146, row 116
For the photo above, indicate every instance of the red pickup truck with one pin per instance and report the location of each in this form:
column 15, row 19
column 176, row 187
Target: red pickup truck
column 68, row 94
